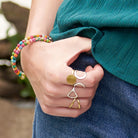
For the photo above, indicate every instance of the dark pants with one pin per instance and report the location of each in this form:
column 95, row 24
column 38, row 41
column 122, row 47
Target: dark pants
column 113, row 114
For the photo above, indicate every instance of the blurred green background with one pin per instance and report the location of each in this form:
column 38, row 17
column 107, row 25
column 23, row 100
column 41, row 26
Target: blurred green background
column 16, row 19
column 16, row 96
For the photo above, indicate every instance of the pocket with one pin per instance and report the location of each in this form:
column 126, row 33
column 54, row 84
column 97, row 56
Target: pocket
column 83, row 61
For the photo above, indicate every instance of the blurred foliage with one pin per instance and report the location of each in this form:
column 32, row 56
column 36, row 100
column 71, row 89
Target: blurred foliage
column 14, row 40
column 27, row 92
column 0, row 11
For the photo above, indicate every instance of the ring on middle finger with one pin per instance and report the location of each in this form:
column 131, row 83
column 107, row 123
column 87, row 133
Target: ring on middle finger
column 74, row 92
column 75, row 95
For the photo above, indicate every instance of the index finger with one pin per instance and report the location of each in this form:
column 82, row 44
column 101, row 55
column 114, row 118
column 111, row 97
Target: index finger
column 89, row 79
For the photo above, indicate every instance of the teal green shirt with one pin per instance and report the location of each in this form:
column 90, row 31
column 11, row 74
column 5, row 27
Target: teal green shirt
column 113, row 27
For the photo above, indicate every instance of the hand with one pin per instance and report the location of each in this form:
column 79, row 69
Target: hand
column 47, row 67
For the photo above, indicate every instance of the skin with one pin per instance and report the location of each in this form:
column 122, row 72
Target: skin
column 48, row 67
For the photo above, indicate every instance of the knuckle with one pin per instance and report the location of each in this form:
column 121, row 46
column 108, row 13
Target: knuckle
column 49, row 101
column 44, row 109
column 92, row 81
column 85, row 103
column 75, row 114
column 102, row 74
column 53, row 75
column 89, row 106
column 50, row 89
column 91, row 93
column 57, row 77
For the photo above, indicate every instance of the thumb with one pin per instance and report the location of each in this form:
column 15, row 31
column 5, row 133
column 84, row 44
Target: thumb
column 88, row 68
column 80, row 45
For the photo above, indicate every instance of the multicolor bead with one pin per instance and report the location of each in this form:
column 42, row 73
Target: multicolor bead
column 20, row 45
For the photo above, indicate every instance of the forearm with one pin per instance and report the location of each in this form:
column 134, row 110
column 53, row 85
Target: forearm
column 42, row 16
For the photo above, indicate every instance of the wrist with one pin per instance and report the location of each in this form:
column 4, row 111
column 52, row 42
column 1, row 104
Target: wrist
column 25, row 42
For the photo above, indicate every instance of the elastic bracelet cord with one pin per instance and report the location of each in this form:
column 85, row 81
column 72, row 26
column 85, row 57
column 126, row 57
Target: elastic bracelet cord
column 19, row 47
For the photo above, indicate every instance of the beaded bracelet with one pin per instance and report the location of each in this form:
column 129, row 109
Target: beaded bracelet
column 20, row 45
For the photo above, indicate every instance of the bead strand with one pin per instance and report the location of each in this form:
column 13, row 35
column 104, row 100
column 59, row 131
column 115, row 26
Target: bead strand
column 20, row 46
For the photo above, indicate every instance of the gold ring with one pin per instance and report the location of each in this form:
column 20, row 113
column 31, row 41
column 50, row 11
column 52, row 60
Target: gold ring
column 70, row 106
column 71, row 79
column 79, row 106
column 78, row 101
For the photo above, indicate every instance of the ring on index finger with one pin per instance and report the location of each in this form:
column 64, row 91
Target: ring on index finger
column 71, row 79
column 78, row 77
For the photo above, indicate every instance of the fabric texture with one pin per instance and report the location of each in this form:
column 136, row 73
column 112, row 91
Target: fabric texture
column 113, row 27
column 113, row 114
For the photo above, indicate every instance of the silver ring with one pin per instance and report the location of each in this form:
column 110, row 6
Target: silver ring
column 80, row 78
column 80, row 84
column 72, row 91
